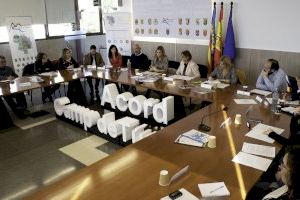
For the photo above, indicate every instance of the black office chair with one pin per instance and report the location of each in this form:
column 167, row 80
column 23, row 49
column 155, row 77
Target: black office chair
column 292, row 83
column 173, row 64
column 203, row 70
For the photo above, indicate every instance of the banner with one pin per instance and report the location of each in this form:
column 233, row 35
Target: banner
column 21, row 42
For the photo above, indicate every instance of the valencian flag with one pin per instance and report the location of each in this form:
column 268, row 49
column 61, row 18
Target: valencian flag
column 219, row 43
column 229, row 49
column 212, row 41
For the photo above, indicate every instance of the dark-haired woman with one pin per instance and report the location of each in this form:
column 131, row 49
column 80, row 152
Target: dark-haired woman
column 115, row 58
column 75, row 91
column 41, row 65
column 187, row 66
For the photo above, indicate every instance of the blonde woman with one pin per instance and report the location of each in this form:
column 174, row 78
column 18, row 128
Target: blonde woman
column 160, row 61
column 225, row 71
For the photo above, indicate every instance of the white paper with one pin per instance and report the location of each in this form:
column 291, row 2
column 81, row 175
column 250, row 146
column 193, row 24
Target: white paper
column 180, row 77
column 260, row 132
column 26, row 84
column 193, row 138
column 259, row 99
column 213, row 189
column 222, row 85
column 261, row 92
column 186, row 195
column 290, row 110
column 260, row 150
column 253, row 161
column 245, row 101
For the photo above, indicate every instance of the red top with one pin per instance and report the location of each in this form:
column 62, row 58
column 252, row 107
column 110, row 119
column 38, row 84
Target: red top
column 116, row 61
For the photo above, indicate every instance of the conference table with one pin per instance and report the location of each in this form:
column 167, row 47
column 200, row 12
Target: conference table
column 133, row 171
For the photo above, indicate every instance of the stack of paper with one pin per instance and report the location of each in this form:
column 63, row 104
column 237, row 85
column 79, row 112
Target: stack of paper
column 260, row 150
column 186, row 195
column 193, row 138
column 180, row 77
column 213, row 189
column 261, row 131
column 252, row 161
column 244, row 101
column 261, row 92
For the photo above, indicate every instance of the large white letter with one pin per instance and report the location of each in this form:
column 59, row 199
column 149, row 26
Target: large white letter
column 136, row 104
column 122, row 101
column 59, row 105
column 128, row 124
column 102, row 123
column 164, row 111
column 148, row 106
column 110, row 93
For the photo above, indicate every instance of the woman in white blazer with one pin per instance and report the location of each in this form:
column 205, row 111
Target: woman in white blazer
column 187, row 66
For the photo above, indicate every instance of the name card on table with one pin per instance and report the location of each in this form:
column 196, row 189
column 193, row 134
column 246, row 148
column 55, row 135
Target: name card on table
column 259, row 99
column 206, row 86
column 168, row 79
column 245, row 93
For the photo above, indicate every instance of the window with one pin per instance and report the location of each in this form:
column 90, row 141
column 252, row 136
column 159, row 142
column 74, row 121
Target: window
column 90, row 16
column 60, row 29
column 39, row 32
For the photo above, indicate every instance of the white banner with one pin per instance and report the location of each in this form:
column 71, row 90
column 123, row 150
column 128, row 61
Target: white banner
column 118, row 31
column 21, row 42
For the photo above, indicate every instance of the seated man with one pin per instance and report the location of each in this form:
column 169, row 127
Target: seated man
column 138, row 60
column 272, row 78
column 293, row 85
column 93, row 58
column 17, row 101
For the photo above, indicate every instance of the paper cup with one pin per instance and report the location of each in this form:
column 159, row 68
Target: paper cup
column 238, row 119
column 212, row 142
column 164, row 178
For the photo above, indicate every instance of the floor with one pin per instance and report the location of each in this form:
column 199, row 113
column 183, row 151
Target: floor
column 40, row 151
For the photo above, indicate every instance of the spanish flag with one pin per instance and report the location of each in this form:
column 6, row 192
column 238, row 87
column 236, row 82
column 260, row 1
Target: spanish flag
column 219, row 42
column 212, row 41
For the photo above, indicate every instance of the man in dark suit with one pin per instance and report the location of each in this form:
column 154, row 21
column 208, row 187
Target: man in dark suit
column 17, row 101
column 95, row 59
column 294, row 84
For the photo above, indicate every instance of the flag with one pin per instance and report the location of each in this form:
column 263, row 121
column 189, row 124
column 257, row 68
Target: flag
column 229, row 49
column 219, row 43
column 212, row 41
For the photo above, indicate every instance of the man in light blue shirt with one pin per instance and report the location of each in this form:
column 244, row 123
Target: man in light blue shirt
column 272, row 78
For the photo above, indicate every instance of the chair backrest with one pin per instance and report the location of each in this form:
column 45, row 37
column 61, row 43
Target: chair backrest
column 174, row 64
column 55, row 64
column 124, row 60
column 28, row 70
column 203, row 70
column 292, row 83
column 241, row 75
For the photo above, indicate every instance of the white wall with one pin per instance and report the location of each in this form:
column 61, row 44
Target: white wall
column 266, row 24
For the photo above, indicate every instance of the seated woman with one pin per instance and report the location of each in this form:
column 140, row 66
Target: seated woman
column 225, row 71
column 160, row 62
column 41, row 65
column 289, row 175
column 75, row 92
column 187, row 66
column 115, row 58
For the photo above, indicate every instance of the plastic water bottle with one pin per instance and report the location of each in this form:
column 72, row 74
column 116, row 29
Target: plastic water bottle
column 275, row 99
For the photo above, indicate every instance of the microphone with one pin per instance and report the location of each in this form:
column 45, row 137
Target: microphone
column 205, row 128
column 251, row 119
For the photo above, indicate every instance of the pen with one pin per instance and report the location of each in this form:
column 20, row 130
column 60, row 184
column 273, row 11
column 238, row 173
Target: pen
column 216, row 189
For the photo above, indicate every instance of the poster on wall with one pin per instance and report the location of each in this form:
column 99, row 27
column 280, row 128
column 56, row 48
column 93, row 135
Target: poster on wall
column 186, row 19
column 118, row 31
column 21, row 42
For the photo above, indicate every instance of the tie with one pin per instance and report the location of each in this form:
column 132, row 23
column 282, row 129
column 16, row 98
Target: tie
column 184, row 70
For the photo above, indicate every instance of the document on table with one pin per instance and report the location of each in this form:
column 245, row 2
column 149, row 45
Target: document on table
column 26, row 84
column 261, row 92
column 180, row 77
column 245, row 101
column 252, row 161
column 222, row 85
column 260, row 132
column 260, row 150
column 186, row 195
column 213, row 189
column 290, row 110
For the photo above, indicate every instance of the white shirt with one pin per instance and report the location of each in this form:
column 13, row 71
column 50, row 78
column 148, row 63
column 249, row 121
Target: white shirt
column 94, row 61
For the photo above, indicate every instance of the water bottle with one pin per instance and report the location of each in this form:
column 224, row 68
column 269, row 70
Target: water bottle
column 275, row 99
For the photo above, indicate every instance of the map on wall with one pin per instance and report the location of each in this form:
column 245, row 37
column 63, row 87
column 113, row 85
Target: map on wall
column 188, row 19
column 21, row 42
